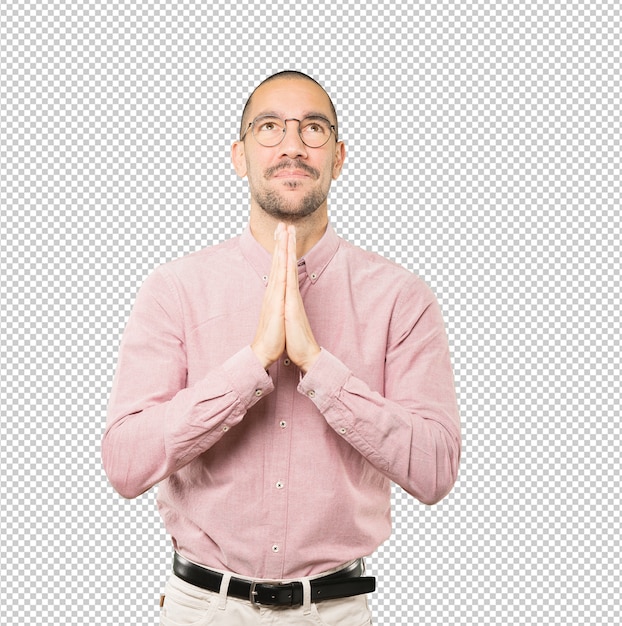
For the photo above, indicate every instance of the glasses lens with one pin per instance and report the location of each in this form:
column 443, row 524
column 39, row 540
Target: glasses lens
column 268, row 131
column 315, row 131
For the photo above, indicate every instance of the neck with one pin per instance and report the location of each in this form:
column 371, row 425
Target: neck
column 308, row 231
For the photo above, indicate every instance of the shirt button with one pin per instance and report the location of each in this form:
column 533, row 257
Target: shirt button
column 280, row 485
column 258, row 392
column 225, row 429
column 313, row 276
column 265, row 278
column 343, row 431
column 282, row 423
column 286, row 362
column 275, row 548
column 311, row 393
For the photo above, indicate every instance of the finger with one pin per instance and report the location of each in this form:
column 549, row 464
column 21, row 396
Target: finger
column 292, row 261
column 279, row 228
column 269, row 341
column 281, row 252
column 278, row 269
column 278, row 234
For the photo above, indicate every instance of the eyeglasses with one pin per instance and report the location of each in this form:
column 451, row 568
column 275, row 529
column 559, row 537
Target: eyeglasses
column 270, row 130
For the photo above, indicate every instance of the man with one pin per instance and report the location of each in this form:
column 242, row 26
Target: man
column 274, row 385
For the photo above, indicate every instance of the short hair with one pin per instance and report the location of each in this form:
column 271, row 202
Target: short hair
column 292, row 74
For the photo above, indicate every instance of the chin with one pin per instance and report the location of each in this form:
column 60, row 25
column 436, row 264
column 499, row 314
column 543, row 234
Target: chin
column 290, row 215
column 281, row 209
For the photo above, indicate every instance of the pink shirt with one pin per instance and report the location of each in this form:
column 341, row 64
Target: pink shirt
column 273, row 474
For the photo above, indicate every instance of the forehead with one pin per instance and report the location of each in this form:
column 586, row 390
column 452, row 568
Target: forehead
column 290, row 98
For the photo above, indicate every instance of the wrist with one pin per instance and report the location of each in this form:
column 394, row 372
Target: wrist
column 261, row 357
column 309, row 362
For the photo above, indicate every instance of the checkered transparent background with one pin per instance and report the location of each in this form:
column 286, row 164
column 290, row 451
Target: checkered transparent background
column 484, row 154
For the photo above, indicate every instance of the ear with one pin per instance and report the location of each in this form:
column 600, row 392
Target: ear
column 340, row 157
column 238, row 158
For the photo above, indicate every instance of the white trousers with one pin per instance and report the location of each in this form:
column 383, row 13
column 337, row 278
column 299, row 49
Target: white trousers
column 187, row 605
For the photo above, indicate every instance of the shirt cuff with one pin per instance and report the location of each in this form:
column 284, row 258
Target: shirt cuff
column 324, row 380
column 247, row 377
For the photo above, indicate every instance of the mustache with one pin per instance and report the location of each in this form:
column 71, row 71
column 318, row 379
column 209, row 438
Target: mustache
column 291, row 164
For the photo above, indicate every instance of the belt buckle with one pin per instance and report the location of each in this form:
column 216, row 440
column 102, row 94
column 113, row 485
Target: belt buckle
column 252, row 595
column 270, row 593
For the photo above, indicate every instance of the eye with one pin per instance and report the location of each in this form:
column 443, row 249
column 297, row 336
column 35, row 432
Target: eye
column 314, row 127
column 267, row 126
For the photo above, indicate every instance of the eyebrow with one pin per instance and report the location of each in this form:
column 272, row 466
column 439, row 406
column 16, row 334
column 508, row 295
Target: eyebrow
column 307, row 115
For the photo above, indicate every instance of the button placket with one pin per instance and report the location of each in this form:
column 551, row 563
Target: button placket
column 276, row 487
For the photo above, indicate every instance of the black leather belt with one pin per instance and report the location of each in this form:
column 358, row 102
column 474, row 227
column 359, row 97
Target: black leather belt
column 341, row 584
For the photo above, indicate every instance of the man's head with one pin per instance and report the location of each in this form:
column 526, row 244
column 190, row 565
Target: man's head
column 288, row 178
column 290, row 75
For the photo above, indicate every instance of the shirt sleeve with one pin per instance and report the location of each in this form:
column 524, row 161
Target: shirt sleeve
column 155, row 424
column 410, row 432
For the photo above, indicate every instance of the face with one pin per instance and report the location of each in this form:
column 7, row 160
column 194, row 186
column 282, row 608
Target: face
column 289, row 181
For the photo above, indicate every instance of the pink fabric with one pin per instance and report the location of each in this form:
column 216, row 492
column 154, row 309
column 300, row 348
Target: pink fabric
column 273, row 474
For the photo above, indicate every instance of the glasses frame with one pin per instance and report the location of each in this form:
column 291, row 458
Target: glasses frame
column 333, row 128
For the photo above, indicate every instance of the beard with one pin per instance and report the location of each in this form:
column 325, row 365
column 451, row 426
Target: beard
column 286, row 210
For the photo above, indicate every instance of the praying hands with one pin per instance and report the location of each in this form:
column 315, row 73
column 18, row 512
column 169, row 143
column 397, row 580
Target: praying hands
column 283, row 323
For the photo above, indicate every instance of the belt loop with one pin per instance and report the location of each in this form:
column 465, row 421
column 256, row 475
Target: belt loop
column 224, row 588
column 306, row 596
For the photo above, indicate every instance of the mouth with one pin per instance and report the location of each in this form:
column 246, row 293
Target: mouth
column 285, row 173
column 292, row 169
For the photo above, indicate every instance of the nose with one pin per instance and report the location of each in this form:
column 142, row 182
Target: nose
column 292, row 144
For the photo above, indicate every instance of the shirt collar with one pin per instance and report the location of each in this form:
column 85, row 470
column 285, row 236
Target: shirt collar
column 316, row 260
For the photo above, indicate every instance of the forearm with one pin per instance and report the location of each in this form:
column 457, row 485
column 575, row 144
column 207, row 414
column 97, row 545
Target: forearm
column 415, row 443
column 150, row 436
